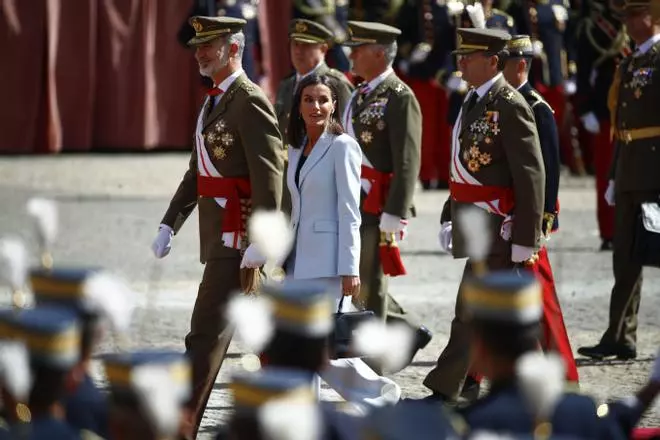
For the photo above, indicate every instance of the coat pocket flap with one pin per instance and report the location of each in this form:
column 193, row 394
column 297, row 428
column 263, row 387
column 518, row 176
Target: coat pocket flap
column 326, row 226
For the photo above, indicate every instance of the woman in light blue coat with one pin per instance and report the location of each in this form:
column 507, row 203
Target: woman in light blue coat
column 323, row 178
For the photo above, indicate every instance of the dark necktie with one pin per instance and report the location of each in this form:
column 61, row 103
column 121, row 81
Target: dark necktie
column 474, row 97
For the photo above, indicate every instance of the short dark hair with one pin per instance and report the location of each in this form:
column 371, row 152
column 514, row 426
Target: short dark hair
column 296, row 131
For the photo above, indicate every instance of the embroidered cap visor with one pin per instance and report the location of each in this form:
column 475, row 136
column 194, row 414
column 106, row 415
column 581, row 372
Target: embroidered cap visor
column 210, row 28
column 481, row 40
column 366, row 32
column 520, row 46
column 310, row 32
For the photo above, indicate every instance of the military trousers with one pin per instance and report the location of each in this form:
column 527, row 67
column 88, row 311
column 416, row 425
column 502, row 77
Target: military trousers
column 373, row 291
column 453, row 364
column 626, row 293
column 210, row 335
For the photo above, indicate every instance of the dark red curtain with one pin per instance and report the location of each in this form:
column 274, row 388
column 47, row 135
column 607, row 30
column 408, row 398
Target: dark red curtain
column 81, row 75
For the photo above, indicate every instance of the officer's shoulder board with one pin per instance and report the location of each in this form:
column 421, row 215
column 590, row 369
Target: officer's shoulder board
column 508, row 93
column 398, row 86
column 509, row 19
column 536, row 99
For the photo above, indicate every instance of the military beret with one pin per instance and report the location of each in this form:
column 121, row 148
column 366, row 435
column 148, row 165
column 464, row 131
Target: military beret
column 520, row 46
column 302, row 306
column 366, row 32
column 51, row 334
column 472, row 40
column 504, row 297
column 252, row 390
column 209, row 28
column 308, row 31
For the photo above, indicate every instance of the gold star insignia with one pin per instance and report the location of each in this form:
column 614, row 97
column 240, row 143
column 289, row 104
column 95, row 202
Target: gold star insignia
column 219, row 153
column 366, row 137
column 227, row 139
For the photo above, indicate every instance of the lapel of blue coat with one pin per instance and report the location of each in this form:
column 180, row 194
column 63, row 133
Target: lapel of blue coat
column 294, row 158
column 317, row 153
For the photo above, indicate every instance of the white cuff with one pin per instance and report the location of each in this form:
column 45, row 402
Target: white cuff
column 520, row 254
column 165, row 227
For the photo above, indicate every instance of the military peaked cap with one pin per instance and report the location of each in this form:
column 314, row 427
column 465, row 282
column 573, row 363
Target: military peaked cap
column 307, row 31
column 252, row 390
column 504, row 297
column 366, row 32
column 472, row 40
column 520, row 46
column 64, row 286
column 209, row 28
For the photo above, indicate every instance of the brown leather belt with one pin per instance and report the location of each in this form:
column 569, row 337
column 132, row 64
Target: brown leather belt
column 635, row 134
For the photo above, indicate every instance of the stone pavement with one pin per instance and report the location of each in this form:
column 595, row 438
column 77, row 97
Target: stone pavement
column 110, row 206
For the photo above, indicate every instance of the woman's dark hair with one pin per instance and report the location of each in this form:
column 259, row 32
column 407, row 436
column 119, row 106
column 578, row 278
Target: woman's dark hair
column 296, row 131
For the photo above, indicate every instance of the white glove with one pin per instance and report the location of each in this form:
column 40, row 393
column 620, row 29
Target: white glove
column 570, row 87
column 163, row 242
column 609, row 193
column 392, row 224
column 655, row 370
column 444, row 236
column 252, row 258
column 521, row 254
column 506, row 230
column 590, row 123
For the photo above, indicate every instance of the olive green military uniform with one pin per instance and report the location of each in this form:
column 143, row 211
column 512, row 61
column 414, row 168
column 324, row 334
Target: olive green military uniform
column 495, row 146
column 309, row 32
column 242, row 140
column 387, row 123
column 635, row 172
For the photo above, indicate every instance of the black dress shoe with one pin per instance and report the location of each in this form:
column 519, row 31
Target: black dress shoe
column 422, row 337
column 605, row 350
column 606, row 245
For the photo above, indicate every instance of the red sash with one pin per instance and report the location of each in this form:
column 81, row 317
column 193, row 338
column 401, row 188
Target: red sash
column 468, row 193
column 380, row 186
column 233, row 189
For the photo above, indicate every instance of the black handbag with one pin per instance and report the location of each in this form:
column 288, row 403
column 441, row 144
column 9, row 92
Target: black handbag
column 646, row 242
column 342, row 334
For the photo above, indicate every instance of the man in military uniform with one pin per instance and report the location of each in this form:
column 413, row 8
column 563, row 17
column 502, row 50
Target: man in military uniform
column 504, row 309
column 546, row 22
column 634, row 179
column 516, row 70
column 601, row 46
column 496, row 166
column 384, row 117
column 426, row 64
column 308, row 43
column 245, row 9
column 333, row 15
column 236, row 166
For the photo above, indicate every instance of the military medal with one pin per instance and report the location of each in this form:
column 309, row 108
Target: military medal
column 380, row 125
column 366, row 137
column 219, row 153
column 638, row 93
column 227, row 139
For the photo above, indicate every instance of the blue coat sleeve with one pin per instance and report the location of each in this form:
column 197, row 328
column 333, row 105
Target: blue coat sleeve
column 348, row 162
column 549, row 138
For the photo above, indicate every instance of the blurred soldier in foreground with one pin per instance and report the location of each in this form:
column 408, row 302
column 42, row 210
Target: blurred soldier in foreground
column 148, row 391
column 235, row 167
column 384, row 117
column 526, row 395
column 496, row 166
column 516, row 69
column 602, row 44
column 634, row 185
